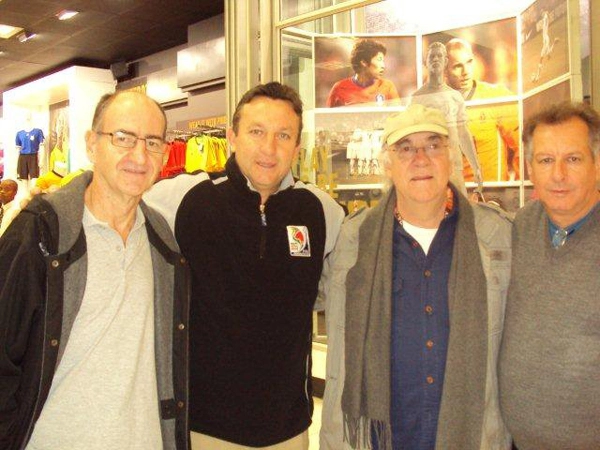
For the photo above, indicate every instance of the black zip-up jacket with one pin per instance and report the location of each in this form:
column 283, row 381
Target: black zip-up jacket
column 255, row 273
column 43, row 270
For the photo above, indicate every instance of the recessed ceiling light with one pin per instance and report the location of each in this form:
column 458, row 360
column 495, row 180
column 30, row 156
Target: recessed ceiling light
column 8, row 31
column 66, row 14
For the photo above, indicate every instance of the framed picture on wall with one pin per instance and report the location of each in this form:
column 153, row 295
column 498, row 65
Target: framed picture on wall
column 353, row 140
column 545, row 49
column 59, row 138
column 482, row 59
column 355, row 71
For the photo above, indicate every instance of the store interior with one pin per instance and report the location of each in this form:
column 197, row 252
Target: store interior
column 533, row 52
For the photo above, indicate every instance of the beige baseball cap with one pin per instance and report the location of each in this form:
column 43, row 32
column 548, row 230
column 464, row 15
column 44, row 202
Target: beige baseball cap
column 414, row 119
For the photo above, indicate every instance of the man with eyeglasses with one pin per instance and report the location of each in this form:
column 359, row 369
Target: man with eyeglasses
column 94, row 302
column 415, row 298
column 550, row 356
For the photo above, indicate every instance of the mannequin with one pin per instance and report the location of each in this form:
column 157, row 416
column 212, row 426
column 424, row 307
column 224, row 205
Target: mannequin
column 29, row 142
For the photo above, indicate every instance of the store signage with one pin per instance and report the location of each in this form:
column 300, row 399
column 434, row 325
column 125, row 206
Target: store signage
column 213, row 122
column 134, row 86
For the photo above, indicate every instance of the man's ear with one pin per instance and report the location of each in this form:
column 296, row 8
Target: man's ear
column 231, row 138
column 91, row 141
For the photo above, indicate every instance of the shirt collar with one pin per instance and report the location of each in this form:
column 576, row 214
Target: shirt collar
column 287, row 182
column 90, row 220
column 569, row 230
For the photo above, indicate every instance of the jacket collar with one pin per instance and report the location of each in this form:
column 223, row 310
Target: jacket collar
column 241, row 182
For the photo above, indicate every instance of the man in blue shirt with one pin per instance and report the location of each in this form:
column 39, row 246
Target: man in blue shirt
column 418, row 282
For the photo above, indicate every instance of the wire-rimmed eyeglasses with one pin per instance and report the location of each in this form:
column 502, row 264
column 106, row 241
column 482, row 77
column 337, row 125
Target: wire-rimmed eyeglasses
column 406, row 151
column 129, row 140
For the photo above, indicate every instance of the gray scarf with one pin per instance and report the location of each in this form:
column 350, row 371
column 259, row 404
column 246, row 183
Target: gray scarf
column 366, row 396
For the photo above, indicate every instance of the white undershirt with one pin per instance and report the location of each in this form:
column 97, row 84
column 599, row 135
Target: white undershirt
column 104, row 392
column 424, row 236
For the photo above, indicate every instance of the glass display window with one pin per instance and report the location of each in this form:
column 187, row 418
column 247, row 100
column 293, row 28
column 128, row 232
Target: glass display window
column 355, row 63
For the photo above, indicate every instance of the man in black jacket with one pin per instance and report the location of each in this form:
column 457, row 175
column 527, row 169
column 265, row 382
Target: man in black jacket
column 255, row 238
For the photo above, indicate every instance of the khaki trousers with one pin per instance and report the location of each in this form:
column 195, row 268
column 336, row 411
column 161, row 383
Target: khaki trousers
column 204, row 442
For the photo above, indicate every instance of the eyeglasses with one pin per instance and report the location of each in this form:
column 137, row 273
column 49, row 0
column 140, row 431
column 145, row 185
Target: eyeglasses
column 128, row 140
column 407, row 151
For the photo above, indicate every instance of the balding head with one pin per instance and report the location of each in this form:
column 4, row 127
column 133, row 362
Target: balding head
column 8, row 190
column 459, row 71
column 107, row 99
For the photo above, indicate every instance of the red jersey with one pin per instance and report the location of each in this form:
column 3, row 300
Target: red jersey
column 347, row 92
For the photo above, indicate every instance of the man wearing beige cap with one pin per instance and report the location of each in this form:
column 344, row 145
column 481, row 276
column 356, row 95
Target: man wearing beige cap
column 418, row 282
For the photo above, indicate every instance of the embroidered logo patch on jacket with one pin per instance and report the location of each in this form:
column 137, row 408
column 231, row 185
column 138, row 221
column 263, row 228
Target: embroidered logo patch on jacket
column 298, row 240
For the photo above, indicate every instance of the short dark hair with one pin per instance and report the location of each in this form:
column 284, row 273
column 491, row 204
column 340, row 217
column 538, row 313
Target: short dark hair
column 365, row 50
column 106, row 100
column 559, row 113
column 273, row 90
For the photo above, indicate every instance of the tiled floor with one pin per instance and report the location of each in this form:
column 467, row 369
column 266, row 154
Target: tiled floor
column 313, row 431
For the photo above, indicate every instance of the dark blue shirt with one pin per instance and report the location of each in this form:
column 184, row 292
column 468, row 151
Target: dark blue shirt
column 420, row 329
column 568, row 231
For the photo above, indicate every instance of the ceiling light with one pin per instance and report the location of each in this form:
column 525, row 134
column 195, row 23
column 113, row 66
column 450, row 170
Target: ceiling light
column 8, row 31
column 25, row 35
column 66, row 14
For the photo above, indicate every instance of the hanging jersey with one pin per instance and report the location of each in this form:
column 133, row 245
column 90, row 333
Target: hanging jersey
column 195, row 154
column 176, row 160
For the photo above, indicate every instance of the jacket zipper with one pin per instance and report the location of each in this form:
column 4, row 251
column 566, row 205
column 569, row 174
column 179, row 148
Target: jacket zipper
column 308, row 374
column 263, row 234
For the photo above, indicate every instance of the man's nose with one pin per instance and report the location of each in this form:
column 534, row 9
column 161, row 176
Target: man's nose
column 559, row 170
column 270, row 144
column 139, row 151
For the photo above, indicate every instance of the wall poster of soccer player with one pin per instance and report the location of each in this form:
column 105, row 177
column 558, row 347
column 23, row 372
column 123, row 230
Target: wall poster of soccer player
column 481, row 65
column 482, row 59
column 495, row 131
column 355, row 71
column 353, row 143
column 545, row 49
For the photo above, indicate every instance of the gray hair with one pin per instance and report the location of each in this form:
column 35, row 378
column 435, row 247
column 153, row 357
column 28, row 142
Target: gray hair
column 559, row 113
